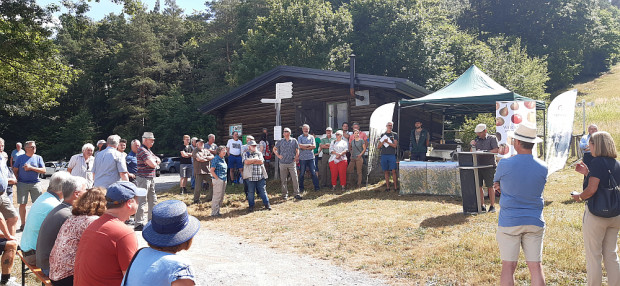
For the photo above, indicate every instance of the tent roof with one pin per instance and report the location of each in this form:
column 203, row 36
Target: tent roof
column 472, row 92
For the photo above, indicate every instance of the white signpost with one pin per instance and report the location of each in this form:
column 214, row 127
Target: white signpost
column 283, row 90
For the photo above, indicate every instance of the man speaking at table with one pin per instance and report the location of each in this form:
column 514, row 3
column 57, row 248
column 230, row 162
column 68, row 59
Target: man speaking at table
column 487, row 143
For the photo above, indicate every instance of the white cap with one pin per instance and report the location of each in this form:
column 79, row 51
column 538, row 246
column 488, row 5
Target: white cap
column 480, row 127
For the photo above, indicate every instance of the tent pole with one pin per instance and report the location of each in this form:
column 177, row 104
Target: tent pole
column 545, row 134
column 443, row 125
column 398, row 129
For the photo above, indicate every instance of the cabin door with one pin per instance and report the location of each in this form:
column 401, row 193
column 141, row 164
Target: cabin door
column 311, row 113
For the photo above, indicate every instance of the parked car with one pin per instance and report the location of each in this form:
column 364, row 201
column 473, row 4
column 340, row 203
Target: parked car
column 62, row 166
column 51, row 167
column 170, row 164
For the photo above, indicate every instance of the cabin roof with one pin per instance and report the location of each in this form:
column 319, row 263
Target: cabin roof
column 404, row 87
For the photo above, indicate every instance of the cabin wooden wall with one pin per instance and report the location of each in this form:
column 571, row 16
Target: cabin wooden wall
column 254, row 115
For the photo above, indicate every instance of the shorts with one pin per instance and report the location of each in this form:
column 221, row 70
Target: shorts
column 23, row 189
column 486, row 175
column 388, row 162
column 6, row 207
column 186, row 170
column 511, row 239
column 234, row 162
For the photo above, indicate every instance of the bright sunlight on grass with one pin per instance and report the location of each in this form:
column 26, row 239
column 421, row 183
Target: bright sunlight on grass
column 426, row 240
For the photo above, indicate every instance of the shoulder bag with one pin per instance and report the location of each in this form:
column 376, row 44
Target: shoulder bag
column 606, row 201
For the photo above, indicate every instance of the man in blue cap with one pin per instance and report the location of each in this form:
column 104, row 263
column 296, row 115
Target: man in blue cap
column 107, row 245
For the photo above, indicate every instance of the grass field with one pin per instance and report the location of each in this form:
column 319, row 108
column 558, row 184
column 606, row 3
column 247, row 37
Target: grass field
column 408, row 240
column 421, row 240
column 603, row 92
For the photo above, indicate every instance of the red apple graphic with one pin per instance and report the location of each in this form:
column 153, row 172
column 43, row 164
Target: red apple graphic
column 516, row 118
column 530, row 104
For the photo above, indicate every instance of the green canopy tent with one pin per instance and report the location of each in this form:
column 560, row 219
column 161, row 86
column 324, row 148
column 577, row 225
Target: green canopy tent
column 473, row 92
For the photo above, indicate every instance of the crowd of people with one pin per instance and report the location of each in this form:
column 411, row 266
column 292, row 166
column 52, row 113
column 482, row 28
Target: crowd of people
column 77, row 230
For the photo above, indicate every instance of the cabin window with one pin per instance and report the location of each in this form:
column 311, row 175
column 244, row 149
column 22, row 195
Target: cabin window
column 336, row 114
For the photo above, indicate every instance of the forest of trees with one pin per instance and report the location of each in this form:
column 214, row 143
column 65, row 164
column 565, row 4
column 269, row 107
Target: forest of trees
column 81, row 80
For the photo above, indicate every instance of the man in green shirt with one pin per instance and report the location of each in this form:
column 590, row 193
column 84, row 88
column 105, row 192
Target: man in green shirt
column 324, row 173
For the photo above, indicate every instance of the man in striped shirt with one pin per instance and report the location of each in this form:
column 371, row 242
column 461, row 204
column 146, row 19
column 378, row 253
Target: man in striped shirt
column 147, row 163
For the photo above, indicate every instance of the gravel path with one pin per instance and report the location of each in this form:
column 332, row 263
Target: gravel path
column 221, row 259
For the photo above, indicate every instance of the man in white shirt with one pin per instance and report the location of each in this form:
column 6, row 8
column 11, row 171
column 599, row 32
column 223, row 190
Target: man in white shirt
column 233, row 150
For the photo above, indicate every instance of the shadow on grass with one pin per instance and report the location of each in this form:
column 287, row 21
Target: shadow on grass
column 445, row 220
column 378, row 193
column 570, row 202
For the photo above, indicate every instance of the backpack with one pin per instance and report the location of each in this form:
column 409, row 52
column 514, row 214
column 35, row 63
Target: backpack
column 267, row 154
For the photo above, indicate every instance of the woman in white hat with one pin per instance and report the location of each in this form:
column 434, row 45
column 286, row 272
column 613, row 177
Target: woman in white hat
column 171, row 230
column 338, row 160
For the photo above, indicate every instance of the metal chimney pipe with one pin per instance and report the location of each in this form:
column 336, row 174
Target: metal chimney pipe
column 352, row 82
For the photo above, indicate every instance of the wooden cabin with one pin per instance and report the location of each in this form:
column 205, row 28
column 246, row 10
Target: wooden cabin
column 320, row 99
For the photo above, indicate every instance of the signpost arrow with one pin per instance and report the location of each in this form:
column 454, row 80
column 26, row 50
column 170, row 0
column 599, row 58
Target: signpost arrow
column 270, row 100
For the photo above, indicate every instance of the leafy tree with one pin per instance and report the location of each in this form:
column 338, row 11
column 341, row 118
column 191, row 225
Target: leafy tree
column 32, row 74
column 305, row 33
column 508, row 63
column 575, row 36
column 425, row 46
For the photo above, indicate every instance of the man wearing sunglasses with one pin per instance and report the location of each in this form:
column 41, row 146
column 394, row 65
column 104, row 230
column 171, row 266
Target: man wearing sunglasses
column 27, row 168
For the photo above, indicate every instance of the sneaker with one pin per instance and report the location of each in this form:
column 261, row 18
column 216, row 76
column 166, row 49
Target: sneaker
column 333, row 188
column 285, row 197
column 492, row 209
column 484, row 209
column 129, row 221
column 298, row 197
column 183, row 190
column 138, row 227
column 251, row 209
column 21, row 228
column 196, row 201
column 268, row 207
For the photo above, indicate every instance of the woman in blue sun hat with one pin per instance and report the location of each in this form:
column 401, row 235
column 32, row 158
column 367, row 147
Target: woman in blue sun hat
column 171, row 230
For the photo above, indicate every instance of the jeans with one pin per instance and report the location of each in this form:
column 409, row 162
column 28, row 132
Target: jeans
column 193, row 180
column 310, row 165
column 257, row 187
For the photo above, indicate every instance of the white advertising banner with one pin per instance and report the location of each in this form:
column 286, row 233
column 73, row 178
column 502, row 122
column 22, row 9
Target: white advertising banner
column 560, row 116
column 508, row 116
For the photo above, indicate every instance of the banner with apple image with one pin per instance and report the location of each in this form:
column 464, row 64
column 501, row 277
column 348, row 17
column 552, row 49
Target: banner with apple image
column 508, row 116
